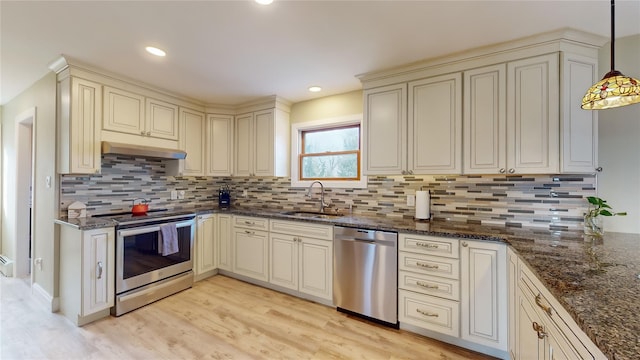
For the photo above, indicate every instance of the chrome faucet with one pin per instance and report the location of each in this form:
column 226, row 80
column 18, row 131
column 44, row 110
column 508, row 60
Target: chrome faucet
column 322, row 203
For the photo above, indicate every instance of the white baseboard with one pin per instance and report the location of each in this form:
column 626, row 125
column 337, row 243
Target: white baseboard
column 49, row 302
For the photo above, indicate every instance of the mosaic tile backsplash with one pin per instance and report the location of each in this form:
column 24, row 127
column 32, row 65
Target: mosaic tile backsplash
column 550, row 201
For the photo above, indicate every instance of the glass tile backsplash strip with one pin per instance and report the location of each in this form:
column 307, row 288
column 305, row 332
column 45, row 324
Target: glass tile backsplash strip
column 548, row 201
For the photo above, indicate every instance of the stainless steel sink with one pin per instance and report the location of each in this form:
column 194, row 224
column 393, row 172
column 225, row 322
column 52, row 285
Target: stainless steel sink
column 312, row 214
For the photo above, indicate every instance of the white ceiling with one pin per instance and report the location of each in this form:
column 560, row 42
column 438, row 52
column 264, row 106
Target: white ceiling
column 230, row 52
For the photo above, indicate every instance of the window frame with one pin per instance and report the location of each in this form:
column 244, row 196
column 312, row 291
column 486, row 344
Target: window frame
column 357, row 152
column 296, row 150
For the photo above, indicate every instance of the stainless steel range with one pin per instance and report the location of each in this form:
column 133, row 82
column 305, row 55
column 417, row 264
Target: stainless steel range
column 145, row 270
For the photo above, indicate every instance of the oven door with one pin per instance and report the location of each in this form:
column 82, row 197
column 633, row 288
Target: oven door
column 139, row 259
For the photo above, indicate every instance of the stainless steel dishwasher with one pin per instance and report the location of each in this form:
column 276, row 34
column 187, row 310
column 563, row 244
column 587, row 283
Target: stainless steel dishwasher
column 365, row 273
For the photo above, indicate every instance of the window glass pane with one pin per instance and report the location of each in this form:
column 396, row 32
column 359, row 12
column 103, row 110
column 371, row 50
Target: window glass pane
column 330, row 166
column 331, row 140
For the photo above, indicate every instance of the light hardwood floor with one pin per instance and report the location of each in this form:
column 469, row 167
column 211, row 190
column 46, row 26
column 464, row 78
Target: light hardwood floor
column 219, row 318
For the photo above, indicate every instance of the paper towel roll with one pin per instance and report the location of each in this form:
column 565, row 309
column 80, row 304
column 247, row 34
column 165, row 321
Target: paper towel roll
column 422, row 205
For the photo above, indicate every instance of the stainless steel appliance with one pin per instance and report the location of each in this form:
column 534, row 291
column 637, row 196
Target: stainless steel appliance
column 143, row 273
column 365, row 273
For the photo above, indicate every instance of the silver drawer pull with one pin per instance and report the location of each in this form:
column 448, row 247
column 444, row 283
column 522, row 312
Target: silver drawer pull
column 426, row 313
column 545, row 308
column 249, row 232
column 428, row 246
column 99, row 269
column 249, row 223
column 425, row 285
column 428, row 266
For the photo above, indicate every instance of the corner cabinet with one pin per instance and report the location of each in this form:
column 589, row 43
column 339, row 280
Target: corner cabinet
column 192, row 141
column 206, row 257
column 79, row 121
column 262, row 143
column 87, row 273
column 483, row 280
column 414, row 127
column 219, row 145
column 301, row 257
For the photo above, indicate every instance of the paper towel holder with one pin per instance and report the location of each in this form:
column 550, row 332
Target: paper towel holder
column 423, row 205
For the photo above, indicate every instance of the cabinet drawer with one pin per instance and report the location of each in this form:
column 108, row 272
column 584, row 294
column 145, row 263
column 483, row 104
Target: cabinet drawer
column 250, row 222
column 430, row 245
column 302, row 228
column 430, row 265
column 429, row 285
column 429, row 312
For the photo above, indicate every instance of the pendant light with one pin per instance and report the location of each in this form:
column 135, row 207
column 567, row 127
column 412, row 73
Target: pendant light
column 614, row 89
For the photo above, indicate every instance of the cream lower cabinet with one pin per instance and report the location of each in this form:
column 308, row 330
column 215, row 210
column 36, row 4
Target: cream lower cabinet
column 429, row 283
column 251, row 247
column 206, row 257
column 542, row 328
column 484, row 311
column 87, row 273
column 301, row 257
column 225, row 242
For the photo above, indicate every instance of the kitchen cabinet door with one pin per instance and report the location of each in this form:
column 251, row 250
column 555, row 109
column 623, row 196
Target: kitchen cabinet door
column 192, row 141
column 79, row 124
column 225, row 242
column 533, row 124
column 316, row 267
column 219, row 146
column 251, row 253
column 579, row 141
column 264, row 141
column 124, row 111
column 283, row 253
column 98, row 271
column 528, row 346
column 512, row 263
column 161, row 119
column 206, row 257
column 484, row 293
column 435, row 125
column 385, row 130
column 244, row 145
column 484, row 120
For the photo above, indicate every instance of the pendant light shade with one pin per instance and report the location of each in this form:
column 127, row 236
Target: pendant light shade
column 614, row 89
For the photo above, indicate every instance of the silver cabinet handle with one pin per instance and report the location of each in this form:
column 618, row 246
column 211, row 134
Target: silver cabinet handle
column 249, row 232
column 544, row 307
column 502, row 170
column 599, row 169
column 425, row 285
column 426, row 245
column 426, row 313
column 465, row 244
column 428, row 266
column 249, row 223
column 99, row 269
column 511, row 171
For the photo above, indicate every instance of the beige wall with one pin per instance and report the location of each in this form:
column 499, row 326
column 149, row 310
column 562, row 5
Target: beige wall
column 619, row 143
column 42, row 96
column 327, row 107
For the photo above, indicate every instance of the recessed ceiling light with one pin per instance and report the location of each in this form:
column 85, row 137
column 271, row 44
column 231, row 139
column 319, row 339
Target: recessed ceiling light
column 264, row 2
column 315, row 89
column 155, row 51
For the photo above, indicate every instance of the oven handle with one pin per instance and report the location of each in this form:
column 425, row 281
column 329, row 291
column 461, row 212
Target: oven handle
column 152, row 228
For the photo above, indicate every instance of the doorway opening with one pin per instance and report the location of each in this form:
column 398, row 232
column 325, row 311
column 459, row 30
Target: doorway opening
column 25, row 194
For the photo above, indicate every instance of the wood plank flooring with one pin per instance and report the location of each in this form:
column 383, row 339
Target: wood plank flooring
column 219, row 318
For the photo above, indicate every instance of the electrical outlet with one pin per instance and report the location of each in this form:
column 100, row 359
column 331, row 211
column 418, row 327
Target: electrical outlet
column 47, row 181
column 411, row 200
column 245, row 193
column 174, row 194
column 180, row 194
column 39, row 263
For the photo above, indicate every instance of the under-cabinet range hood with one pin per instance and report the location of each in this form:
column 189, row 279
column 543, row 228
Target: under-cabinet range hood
column 109, row 147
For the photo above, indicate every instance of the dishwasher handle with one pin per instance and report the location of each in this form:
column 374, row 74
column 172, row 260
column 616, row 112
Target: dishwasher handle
column 367, row 241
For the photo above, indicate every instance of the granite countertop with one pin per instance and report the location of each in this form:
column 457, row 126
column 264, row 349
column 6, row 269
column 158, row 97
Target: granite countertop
column 596, row 280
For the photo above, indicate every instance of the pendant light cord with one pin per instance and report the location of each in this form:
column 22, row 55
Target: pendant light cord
column 613, row 31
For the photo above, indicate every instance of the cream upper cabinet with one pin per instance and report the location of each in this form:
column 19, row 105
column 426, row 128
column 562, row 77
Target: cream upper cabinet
column 123, row 111
column 484, row 120
column 131, row 113
column 579, row 127
column 219, row 145
column 435, row 125
column 533, row 120
column 484, row 311
column 79, row 118
column 192, row 141
column 385, row 130
column 161, row 119
column 262, row 143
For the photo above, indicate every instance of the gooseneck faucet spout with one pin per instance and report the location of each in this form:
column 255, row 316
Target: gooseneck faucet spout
column 322, row 203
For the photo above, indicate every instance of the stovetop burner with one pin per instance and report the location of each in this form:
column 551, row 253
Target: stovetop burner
column 152, row 215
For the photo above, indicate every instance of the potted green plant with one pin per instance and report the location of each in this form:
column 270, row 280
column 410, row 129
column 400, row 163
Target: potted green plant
column 593, row 220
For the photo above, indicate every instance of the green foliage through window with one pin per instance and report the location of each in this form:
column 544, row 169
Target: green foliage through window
column 331, row 154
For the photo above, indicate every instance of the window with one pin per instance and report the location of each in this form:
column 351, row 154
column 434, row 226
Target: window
column 328, row 150
column 330, row 154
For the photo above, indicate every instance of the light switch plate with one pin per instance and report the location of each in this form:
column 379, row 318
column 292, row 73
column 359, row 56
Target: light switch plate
column 181, row 194
column 411, row 200
column 174, row 195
